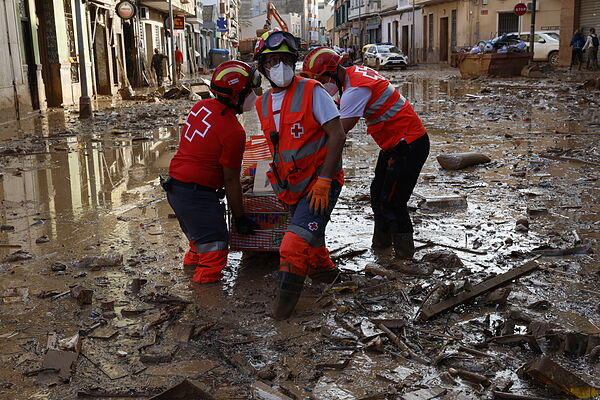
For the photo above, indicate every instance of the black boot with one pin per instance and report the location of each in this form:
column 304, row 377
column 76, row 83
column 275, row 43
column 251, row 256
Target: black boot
column 404, row 245
column 290, row 288
column 382, row 234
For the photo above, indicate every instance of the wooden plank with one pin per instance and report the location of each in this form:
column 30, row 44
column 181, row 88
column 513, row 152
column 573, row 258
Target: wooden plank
column 477, row 290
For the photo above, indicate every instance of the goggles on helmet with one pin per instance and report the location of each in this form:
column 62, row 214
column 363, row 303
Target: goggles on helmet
column 276, row 39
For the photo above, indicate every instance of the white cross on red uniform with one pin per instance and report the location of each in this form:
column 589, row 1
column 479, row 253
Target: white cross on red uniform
column 297, row 130
column 194, row 121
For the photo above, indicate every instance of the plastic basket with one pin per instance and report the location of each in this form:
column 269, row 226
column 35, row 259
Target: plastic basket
column 271, row 214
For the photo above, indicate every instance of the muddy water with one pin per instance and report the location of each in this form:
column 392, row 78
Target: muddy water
column 92, row 188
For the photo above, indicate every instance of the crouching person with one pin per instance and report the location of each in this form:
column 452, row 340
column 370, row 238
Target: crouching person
column 209, row 159
column 302, row 126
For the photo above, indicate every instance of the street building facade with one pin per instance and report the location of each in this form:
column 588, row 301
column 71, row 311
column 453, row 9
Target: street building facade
column 576, row 14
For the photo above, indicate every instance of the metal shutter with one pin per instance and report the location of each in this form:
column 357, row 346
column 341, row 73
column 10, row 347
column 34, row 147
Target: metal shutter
column 589, row 15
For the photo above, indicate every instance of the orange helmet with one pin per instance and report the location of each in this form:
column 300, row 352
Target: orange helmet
column 319, row 61
column 233, row 78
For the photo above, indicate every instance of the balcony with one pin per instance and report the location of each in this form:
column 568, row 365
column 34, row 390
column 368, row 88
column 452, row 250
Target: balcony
column 180, row 7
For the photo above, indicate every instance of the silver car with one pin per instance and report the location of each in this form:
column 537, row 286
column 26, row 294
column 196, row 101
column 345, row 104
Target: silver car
column 385, row 56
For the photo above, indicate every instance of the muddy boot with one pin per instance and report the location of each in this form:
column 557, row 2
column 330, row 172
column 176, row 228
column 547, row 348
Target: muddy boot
column 290, row 288
column 326, row 275
column 382, row 234
column 404, row 246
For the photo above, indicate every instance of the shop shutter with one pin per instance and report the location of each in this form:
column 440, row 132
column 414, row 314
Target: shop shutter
column 589, row 15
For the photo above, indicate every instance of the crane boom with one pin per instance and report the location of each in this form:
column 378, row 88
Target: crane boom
column 272, row 13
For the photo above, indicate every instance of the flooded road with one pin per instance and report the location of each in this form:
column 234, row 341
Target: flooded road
column 72, row 189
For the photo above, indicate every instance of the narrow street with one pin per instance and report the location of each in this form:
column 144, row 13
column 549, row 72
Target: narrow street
column 83, row 216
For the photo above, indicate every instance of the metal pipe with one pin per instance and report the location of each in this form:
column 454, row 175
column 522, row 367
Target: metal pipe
column 173, row 63
column 85, row 105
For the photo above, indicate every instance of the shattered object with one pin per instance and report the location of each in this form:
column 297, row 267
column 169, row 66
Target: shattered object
column 552, row 374
column 186, row 390
column 58, row 266
column 265, row 392
column 16, row 295
column 498, row 296
column 477, row 290
column 462, row 160
column 96, row 262
column 424, row 394
column 157, row 354
column 57, row 366
column 42, row 239
column 376, row 270
column 20, row 255
column 443, row 202
column 83, row 296
column 375, row 344
column 443, row 259
column 72, row 343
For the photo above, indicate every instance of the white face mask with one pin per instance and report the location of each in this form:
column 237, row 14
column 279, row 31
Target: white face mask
column 281, row 74
column 250, row 101
column 330, row 88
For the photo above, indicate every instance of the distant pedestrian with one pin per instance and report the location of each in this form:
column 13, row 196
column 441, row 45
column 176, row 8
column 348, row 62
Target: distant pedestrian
column 577, row 42
column 157, row 65
column 590, row 49
column 178, row 61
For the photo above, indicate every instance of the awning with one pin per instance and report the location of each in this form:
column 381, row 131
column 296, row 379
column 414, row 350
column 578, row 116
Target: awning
column 102, row 4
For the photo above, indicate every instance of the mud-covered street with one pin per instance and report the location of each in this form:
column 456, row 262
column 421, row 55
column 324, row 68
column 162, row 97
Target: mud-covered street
column 92, row 261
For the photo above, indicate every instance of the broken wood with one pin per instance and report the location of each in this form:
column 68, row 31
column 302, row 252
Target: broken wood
column 512, row 396
column 348, row 255
column 473, row 351
column 187, row 390
column 401, row 345
column 462, row 160
column 470, row 376
column 477, row 290
column 431, row 244
column 266, row 392
column 576, row 250
column 560, row 379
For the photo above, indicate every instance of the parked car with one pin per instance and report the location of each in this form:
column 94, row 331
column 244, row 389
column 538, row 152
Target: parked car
column 546, row 45
column 384, row 56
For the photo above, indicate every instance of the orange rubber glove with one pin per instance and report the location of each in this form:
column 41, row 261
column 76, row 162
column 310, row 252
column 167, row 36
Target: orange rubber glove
column 319, row 196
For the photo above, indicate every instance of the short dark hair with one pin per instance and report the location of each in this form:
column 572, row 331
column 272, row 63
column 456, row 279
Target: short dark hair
column 592, row 30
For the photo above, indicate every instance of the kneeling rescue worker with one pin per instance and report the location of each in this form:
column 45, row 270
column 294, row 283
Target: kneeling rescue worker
column 302, row 126
column 209, row 158
column 394, row 126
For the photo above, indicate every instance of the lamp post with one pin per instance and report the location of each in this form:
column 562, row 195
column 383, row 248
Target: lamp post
column 85, row 103
column 173, row 63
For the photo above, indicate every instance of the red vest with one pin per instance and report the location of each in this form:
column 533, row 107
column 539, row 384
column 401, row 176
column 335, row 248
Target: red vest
column 302, row 142
column 389, row 116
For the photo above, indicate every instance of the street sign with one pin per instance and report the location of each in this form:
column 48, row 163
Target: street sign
column 222, row 25
column 179, row 22
column 125, row 9
column 520, row 9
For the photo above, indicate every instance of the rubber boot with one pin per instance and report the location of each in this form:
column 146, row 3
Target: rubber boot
column 290, row 288
column 382, row 234
column 404, row 245
column 326, row 275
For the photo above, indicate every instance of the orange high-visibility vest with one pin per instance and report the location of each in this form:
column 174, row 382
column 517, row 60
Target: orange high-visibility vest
column 389, row 116
column 302, row 142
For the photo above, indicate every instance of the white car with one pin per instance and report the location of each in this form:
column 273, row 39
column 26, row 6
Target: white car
column 385, row 56
column 545, row 47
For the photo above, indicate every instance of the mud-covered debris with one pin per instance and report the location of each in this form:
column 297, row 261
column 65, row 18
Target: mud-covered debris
column 443, row 203
column 327, row 389
column 58, row 266
column 443, row 259
column 548, row 372
column 136, row 285
column 537, row 211
column 424, row 394
column 20, row 255
column 104, row 332
column 108, row 305
column 7, row 228
column 109, row 369
column 477, row 290
column 462, row 160
column 373, row 269
column 16, row 295
column 72, row 343
column 183, row 332
column 569, row 251
column 375, row 345
column 521, row 228
column 498, row 296
column 97, row 262
column 42, row 239
column 595, row 354
column 265, row 392
column 517, row 339
column 187, row 390
column 397, row 375
column 409, row 267
column 522, row 221
column 157, row 354
column 470, row 376
column 57, row 367
column 84, row 296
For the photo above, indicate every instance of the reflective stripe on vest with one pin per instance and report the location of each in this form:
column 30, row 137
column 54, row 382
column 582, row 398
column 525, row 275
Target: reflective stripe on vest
column 212, row 246
column 265, row 104
column 377, row 104
column 296, row 105
column 390, row 113
column 297, row 154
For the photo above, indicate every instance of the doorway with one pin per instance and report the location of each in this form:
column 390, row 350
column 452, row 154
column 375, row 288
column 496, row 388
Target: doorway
column 405, row 39
column 49, row 53
column 395, row 24
column 444, row 39
column 30, row 57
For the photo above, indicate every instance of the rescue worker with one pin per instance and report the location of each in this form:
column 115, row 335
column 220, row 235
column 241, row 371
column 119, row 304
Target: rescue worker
column 394, row 126
column 301, row 124
column 209, row 158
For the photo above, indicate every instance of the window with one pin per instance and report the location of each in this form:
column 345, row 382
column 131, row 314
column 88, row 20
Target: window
column 71, row 42
column 453, row 31
column 430, row 42
column 508, row 22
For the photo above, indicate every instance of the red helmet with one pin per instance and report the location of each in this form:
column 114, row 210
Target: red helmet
column 276, row 41
column 320, row 61
column 233, row 78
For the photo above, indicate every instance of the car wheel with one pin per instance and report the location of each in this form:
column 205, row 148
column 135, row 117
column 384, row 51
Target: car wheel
column 553, row 58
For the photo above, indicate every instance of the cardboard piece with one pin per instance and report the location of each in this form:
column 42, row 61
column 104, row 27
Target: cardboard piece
column 261, row 181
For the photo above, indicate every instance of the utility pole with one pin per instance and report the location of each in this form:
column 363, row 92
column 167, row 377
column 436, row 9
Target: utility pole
column 532, row 30
column 412, row 35
column 85, row 103
column 360, row 37
column 173, row 63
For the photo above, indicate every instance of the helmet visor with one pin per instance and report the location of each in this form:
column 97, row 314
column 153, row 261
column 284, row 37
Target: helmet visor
column 277, row 39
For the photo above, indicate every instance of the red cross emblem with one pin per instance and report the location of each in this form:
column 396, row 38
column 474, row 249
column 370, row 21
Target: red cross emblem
column 369, row 73
column 313, row 226
column 194, row 121
column 297, row 130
